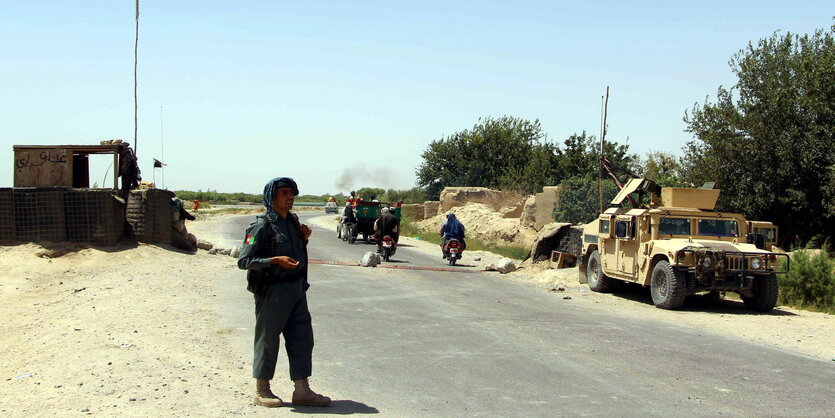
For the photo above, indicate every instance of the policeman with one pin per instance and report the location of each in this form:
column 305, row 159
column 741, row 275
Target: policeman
column 275, row 257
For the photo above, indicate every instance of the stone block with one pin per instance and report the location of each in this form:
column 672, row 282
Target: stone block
column 431, row 209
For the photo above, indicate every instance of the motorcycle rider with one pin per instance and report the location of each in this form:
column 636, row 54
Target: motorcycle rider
column 386, row 224
column 348, row 217
column 452, row 228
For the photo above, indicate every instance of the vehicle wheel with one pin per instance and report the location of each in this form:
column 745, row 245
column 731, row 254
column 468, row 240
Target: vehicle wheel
column 765, row 294
column 386, row 255
column 668, row 286
column 352, row 236
column 339, row 232
column 452, row 261
column 598, row 281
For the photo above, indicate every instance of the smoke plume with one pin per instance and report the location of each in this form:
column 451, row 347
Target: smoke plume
column 360, row 176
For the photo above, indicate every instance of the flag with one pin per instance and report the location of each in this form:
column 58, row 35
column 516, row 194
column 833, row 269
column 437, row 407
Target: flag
column 158, row 163
column 250, row 240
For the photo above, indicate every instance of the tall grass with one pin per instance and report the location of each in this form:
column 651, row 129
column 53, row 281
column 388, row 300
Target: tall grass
column 810, row 283
column 410, row 229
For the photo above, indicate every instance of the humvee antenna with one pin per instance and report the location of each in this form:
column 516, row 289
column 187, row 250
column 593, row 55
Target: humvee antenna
column 602, row 141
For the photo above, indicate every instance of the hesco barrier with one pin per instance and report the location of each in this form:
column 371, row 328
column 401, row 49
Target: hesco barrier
column 39, row 214
column 7, row 225
column 94, row 216
column 149, row 215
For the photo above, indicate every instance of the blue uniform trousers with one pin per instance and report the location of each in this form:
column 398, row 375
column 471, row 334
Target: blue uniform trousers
column 282, row 309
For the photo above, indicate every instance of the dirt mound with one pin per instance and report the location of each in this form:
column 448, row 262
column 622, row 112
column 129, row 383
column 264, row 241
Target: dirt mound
column 495, row 199
column 484, row 223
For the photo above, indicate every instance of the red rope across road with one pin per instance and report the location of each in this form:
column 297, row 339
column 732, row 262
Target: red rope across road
column 389, row 266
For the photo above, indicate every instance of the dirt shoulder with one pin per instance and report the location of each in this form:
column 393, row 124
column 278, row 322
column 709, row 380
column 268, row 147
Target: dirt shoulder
column 808, row 333
column 129, row 330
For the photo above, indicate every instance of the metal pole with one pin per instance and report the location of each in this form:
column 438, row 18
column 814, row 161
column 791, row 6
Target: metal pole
column 135, row 98
column 162, row 147
column 600, row 162
column 602, row 143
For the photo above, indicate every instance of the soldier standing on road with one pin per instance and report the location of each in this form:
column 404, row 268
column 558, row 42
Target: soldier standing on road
column 275, row 257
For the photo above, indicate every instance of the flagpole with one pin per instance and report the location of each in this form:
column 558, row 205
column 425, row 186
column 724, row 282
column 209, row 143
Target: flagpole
column 162, row 146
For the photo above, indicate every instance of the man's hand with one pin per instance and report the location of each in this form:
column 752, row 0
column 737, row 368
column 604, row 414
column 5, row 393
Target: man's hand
column 284, row 262
column 306, row 231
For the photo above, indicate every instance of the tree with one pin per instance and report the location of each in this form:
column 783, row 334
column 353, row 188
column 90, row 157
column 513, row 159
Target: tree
column 768, row 141
column 506, row 152
column 366, row 193
column 413, row 195
column 512, row 154
column 580, row 199
column 580, row 156
column 663, row 168
column 579, row 164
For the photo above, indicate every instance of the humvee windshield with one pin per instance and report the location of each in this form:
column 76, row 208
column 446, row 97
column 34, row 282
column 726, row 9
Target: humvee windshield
column 674, row 226
column 718, row 228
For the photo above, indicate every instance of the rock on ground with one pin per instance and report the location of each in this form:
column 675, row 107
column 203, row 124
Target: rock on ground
column 370, row 259
column 503, row 266
column 204, row 245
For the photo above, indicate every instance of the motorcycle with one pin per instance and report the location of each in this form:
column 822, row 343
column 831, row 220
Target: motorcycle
column 349, row 232
column 388, row 247
column 452, row 251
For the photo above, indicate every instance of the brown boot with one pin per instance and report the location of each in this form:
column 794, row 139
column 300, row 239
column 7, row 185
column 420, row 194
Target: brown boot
column 304, row 396
column 264, row 396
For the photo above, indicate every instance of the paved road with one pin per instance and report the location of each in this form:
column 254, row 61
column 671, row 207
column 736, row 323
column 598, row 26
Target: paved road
column 424, row 343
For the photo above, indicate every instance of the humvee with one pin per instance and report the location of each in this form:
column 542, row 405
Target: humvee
column 678, row 246
column 763, row 235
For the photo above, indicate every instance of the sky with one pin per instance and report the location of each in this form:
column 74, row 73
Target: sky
column 232, row 94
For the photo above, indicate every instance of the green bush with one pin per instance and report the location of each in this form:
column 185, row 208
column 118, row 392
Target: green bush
column 810, row 283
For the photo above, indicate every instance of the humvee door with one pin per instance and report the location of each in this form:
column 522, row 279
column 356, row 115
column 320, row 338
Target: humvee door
column 627, row 245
